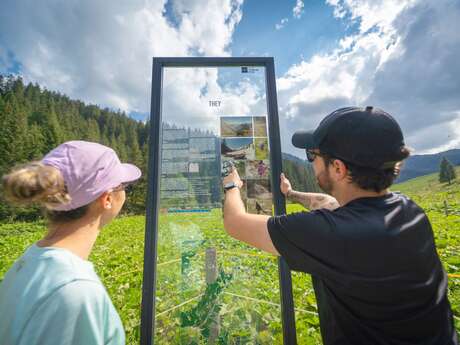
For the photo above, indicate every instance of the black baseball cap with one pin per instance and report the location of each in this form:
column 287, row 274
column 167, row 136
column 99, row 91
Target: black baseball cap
column 366, row 137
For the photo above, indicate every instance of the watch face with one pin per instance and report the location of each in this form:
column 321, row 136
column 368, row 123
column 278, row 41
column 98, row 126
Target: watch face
column 229, row 185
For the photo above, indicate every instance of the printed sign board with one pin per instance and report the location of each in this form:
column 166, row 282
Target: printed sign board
column 200, row 285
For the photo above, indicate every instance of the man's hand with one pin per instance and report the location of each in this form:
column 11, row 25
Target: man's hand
column 312, row 201
column 285, row 185
column 233, row 177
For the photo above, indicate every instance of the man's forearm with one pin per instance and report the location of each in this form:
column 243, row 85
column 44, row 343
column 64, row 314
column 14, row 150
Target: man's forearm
column 233, row 205
column 313, row 201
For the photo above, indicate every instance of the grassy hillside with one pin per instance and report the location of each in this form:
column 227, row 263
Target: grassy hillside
column 441, row 203
column 250, row 299
column 430, row 194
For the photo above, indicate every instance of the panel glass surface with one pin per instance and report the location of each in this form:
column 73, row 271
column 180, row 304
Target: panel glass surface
column 211, row 288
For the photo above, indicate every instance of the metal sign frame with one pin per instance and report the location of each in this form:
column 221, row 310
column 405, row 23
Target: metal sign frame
column 153, row 196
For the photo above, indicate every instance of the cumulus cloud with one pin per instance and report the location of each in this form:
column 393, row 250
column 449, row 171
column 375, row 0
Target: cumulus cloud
column 369, row 13
column 297, row 11
column 102, row 52
column 189, row 91
column 281, row 24
column 402, row 59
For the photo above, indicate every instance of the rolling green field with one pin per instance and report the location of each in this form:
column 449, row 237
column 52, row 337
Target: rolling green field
column 245, row 294
column 441, row 203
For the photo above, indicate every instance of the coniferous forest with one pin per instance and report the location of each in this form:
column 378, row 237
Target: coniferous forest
column 35, row 120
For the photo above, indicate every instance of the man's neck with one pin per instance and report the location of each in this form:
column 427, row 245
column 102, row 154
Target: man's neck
column 352, row 193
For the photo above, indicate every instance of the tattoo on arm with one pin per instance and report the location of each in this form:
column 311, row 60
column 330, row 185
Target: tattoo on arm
column 314, row 201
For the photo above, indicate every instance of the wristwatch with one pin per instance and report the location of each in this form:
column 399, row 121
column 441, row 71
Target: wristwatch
column 230, row 185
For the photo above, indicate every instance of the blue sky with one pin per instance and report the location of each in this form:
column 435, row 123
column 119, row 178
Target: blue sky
column 315, row 31
column 400, row 55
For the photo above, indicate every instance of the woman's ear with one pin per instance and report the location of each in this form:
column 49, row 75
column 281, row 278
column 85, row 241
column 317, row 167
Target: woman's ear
column 106, row 201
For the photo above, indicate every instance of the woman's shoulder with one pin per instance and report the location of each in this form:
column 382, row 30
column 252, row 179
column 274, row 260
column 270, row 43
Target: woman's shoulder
column 80, row 292
column 61, row 263
column 78, row 308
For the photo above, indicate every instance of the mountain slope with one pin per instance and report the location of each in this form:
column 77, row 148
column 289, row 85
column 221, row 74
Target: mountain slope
column 431, row 194
column 419, row 165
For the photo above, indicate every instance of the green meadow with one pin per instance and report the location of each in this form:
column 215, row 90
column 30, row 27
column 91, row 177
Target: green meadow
column 245, row 296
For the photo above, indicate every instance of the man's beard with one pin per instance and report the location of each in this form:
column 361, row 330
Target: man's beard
column 324, row 181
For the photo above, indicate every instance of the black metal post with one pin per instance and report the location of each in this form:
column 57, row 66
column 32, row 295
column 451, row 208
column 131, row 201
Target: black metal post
column 287, row 302
column 153, row 194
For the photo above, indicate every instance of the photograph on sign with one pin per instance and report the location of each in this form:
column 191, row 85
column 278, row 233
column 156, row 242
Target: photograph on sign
column 261, row 148
column 193, row 168
column 236, row 126
column 257, row 169
column 259, row 206
column 238, row 148
column 260, row 126
column 259, row 189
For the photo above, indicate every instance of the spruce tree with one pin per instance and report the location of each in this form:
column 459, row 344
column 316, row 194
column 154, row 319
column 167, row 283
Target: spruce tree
column 35, row 143
column 13, row 132
column 446, row 171
column 451, row 172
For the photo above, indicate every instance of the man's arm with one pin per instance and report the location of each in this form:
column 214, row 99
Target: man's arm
column 249, row 228
column 312, row 201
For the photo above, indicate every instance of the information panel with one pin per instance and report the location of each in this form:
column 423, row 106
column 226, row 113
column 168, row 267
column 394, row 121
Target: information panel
column 210, row 288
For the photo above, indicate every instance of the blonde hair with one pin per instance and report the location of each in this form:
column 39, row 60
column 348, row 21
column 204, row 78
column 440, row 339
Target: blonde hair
column 35, row 183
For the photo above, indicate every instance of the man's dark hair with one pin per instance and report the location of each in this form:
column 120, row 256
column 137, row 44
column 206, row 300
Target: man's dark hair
column 370, row 178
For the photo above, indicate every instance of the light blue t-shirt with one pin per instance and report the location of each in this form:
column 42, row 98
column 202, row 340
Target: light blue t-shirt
column 51, row 296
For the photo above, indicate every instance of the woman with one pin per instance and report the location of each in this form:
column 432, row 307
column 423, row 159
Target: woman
column 51, row 294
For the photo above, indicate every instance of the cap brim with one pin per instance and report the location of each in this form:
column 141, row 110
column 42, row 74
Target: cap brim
column 131, row 172
column 304, row 140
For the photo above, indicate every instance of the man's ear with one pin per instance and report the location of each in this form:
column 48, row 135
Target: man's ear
column 106, row 200
column 339, row 169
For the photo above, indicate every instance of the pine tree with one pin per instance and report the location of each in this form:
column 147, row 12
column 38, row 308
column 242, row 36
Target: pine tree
column 451, row 172
column 13, row 132
column 92, row 133
column 35, row 143
column 132, row 142
column 446, row 171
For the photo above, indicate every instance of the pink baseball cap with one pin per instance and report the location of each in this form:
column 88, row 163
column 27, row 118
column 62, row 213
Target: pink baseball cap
column 89, row 169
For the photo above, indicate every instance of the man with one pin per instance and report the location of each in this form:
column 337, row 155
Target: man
column 371, row 253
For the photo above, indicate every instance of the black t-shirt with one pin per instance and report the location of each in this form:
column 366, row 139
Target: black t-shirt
column 376, row 273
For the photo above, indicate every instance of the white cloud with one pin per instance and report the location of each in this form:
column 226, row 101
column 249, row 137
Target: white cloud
column 189, row 91
column 101, row 52
column 297, row 11
column 404, row 59
column 442, row 136
column 207, row 25
column 373, row 13
column 281, row 24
